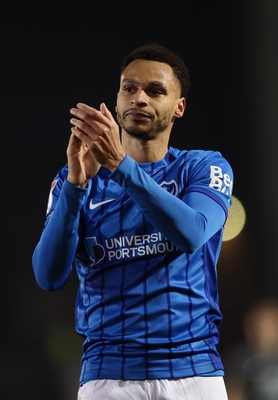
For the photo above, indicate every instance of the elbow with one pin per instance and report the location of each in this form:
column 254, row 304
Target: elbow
column 192, row 247
column 188, row 245
column 193, row 244
column 46, row 280
column 198, row 236
column 49, row 285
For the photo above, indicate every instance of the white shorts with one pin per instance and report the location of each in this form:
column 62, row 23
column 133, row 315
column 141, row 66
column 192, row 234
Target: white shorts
column 193, row 388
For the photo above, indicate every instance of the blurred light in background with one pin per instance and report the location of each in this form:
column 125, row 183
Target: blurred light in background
column 236, row 220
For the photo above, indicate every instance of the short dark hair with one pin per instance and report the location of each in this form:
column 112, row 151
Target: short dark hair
column 157, row 52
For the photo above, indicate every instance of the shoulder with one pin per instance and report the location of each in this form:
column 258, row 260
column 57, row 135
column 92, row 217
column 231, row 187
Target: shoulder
column 197, row 156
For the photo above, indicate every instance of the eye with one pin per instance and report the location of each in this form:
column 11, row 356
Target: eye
column 128, row 89
column 155, row 92
column 156, row 89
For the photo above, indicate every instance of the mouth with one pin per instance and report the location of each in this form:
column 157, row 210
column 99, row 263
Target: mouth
column 137, row 116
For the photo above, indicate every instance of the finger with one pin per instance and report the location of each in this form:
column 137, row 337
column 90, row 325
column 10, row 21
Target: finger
column 74, row 144
column 73, row 140
column 85, row 132
column 85, row 109
column 88, row 114
column 80, row 134
column 81, row 125
column 104, row 110
column 88, row 130
column 78, row 122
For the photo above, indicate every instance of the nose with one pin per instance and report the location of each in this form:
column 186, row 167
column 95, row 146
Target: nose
column 139, row 98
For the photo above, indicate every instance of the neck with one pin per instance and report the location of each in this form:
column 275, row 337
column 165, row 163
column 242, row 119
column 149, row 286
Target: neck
column 144, row 151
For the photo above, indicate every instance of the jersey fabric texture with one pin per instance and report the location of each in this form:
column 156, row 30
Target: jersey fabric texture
column 147, row 304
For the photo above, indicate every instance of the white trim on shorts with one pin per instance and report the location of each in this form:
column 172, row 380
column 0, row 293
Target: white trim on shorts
column 192, row 388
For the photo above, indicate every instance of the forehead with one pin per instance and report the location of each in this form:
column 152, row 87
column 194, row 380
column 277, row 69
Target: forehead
column 144, row 72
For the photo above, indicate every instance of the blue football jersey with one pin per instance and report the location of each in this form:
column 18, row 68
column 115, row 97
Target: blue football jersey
column 147, row 304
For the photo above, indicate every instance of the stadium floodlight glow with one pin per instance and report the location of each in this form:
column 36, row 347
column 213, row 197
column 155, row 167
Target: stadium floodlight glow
column 235, row 221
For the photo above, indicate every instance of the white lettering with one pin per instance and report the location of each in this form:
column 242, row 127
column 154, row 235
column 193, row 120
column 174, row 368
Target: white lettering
column 137, row 246
column 220, row 181
column 215, row 171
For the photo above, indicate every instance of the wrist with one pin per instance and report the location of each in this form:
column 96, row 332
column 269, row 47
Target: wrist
column 82, row 185
column 115, row 165
column 78, row 184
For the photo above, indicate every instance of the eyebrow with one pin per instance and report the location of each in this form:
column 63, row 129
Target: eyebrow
column 153, row 83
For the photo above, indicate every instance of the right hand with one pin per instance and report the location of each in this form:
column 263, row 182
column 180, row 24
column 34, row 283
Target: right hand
column 82, row 165
column 100, row 132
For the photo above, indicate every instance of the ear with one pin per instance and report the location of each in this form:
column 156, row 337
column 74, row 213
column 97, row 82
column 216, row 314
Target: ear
column 180, row 109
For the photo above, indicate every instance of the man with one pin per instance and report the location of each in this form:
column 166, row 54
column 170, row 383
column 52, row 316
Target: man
column 143, row 224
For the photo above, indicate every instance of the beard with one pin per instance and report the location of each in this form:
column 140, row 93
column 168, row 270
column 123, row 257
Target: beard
column 145, row 132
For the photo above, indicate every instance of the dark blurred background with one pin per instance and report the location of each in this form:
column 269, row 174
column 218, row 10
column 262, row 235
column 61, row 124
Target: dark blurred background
column 54, row 55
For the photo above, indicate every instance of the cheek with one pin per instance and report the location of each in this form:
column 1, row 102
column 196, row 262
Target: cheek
column 119, row 117
column 120, row 106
